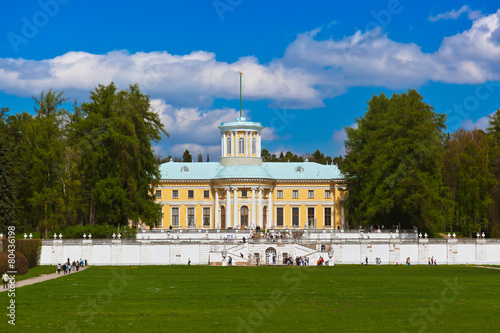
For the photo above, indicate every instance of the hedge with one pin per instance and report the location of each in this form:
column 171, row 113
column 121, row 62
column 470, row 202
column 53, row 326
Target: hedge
column 98, row 231
column 21, row 263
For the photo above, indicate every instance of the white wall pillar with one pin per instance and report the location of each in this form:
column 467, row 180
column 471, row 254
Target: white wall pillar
column 254, row 216
column 270, row 209
column 235, row 208
column 246, row 143
column 222, row 141
column 259, row 144
column 260, row 209
column 216, row 210
column 228, row 207
column 233, row 148
column 237, row 143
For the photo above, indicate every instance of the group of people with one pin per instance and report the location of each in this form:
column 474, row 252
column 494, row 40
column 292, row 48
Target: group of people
column 432, row 261
column 68, row 266
column 299, row 261
column 320, row 261
column 378, row 261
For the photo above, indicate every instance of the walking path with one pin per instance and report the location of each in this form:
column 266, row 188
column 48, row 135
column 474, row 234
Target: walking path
column 487, row 267
column 43, row 278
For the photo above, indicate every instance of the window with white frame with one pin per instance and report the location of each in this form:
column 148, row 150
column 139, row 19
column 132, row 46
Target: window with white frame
column 206, row 216
column 190, row 194
column 228, row 147
column 279, row 216
column 295, row 194
column 244, row 193
column 295, row 216
column 190, row 215
column 310, row 217
column 310, row 194
column 158, row 194
column 328, row 216
column 175, row 194
column 206, row 194
column 254, row 146
column 328, row 194
column 175, row 216
column 242, row 146
column 279, row 194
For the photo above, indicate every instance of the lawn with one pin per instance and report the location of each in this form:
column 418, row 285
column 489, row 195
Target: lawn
column 37, row 271
column 263, row 299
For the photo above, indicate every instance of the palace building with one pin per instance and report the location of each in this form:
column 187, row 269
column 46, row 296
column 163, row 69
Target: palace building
column 240, row 191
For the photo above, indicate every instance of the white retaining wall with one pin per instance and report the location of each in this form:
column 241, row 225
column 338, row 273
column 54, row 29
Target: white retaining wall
column 206, row 251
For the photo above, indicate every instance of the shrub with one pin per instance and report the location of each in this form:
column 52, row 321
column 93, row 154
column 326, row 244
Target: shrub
column 98, row 231
column 31, row 248
column 21, row 264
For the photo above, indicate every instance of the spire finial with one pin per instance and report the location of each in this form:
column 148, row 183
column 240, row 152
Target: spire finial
column 240, row 93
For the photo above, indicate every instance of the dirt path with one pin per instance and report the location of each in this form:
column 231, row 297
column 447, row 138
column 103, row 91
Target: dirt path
column 487, row 267
column 43, row 278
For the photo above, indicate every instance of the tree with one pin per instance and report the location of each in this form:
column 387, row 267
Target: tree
column 200, row 158
column 6, row 181
column 114, row 131
column 467, row 173
column 494, row 160
column 393, row 164
column 208, row 158
column 186, row 156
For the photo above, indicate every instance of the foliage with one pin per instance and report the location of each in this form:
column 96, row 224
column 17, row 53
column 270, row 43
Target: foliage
column 21, row 263
column 6, row 182
column 494, row 160
column 97, row 231
column 467, row 174
column 393, row 164
column 186, row 156
column 31, row 249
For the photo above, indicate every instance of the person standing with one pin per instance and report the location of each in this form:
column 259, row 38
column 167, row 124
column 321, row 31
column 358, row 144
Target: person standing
column 5, row 280
column 189, row 261
column 58, row 268
column 366, row 261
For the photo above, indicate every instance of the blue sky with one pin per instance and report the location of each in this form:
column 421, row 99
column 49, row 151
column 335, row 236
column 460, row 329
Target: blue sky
column 309, row 66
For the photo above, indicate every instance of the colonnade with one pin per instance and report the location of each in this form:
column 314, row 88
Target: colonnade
column 232, row 138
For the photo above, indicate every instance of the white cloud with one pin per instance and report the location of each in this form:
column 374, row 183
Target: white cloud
column 310, row 71
column 482, row 123
column 455, row 14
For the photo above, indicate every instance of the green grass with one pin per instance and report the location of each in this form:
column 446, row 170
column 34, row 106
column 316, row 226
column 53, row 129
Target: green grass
column 37, row 271
column 263, row 299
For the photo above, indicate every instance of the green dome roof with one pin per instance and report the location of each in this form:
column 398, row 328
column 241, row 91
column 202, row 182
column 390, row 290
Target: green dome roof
column 243, row 171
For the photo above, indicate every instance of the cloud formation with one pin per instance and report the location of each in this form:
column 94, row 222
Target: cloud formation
column 455, row 14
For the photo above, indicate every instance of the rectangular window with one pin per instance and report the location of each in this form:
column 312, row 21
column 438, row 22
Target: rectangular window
column 254, row 146
column 279, row 194
column 228, row 147
column 328, row 216
column 279, row 216
column 328, row 194
column 175, row 194
column 175, row 216
column 295, row 194
column 206, row 216
column 158, row 194
column 310, row 194
column 206, row 194
column 244, row 193
column 295, row 216
column 190, row 194
column 310, row 217
column 191, row 221
column 242, row 146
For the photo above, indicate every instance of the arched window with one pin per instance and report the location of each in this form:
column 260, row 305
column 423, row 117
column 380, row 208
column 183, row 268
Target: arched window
column 228, row 148
column 254, row 146
column 242, row 146
column 244, row 216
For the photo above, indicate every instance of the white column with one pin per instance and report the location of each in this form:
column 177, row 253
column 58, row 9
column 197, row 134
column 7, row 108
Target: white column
column 232, row 144
column 254, row 216
column 228, row 207
column 270, row 209
column 237, row 143
column 342, row 226
column 247, row 143
column 235, row 208
column 216, row 210
column 258, row 144
column 260, row 209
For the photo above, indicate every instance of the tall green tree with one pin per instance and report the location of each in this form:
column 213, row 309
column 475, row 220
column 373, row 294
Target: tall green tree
column 6, row 180
column 393, row 164
column 494, row 160
column 115, row 131
column 467, row 173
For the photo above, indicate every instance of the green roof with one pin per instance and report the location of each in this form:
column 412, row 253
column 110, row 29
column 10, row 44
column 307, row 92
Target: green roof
column 268, row 170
